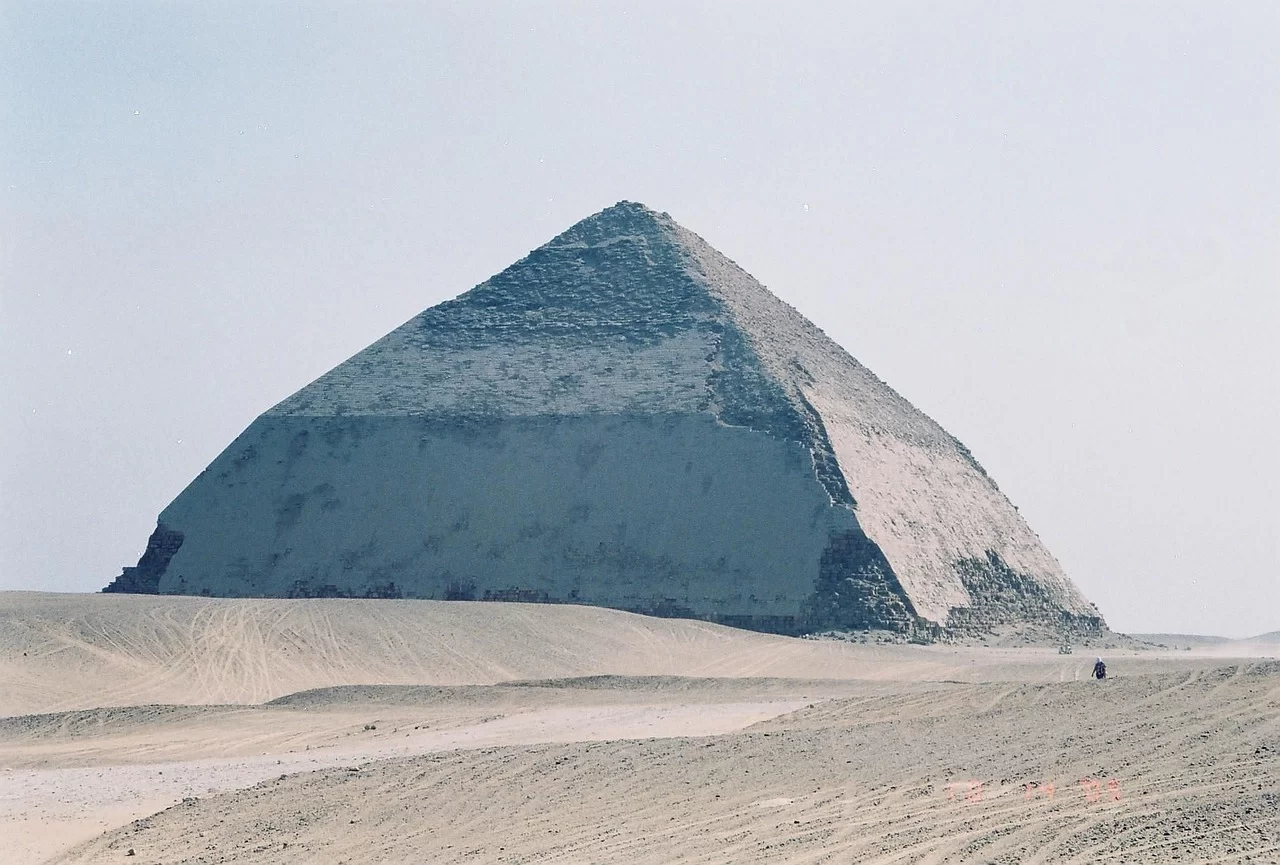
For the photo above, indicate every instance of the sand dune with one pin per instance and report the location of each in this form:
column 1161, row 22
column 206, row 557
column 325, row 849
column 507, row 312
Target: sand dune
column 194, row 730
column 1263, row 645
column 366, row 717
column 61, row 652
column 1182, row 641
column 1185, row 769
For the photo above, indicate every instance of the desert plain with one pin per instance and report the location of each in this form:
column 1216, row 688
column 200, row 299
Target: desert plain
column 157, row 729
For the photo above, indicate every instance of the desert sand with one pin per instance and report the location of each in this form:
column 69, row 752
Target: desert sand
column 196, row 730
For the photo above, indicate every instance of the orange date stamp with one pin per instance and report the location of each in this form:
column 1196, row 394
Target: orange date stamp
column 1093, row 790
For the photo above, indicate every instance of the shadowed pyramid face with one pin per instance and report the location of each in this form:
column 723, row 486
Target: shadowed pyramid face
column 622, row 418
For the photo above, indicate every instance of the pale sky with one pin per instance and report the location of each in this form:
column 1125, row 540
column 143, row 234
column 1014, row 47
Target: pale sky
column 1055, row 228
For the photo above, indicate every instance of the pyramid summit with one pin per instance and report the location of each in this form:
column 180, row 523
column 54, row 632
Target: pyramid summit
column 623, row 418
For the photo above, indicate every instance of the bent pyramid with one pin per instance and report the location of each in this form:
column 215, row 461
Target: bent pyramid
column 623, row 418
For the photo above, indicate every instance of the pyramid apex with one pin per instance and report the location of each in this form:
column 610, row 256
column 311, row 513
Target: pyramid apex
column 633, row 205
column 624, row 219
column 630, row 209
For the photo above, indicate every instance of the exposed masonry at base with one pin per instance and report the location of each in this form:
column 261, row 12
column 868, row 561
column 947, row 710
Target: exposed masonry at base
column 623, row 418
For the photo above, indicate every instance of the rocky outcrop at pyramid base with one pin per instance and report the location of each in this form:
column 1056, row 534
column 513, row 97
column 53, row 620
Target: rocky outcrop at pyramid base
column 144, row 578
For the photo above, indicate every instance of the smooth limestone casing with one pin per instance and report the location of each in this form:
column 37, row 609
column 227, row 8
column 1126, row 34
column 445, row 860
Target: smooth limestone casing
column 623, row 418
column 613, row 510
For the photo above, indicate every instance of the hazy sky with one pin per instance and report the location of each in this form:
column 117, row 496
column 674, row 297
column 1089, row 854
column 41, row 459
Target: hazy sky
column 1055, row 228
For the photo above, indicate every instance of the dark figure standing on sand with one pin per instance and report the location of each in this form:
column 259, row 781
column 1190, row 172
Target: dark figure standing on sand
column 1099, row 670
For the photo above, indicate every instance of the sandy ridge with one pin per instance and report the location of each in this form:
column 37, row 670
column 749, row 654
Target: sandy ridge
column 825, row 784
column 516, row 733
